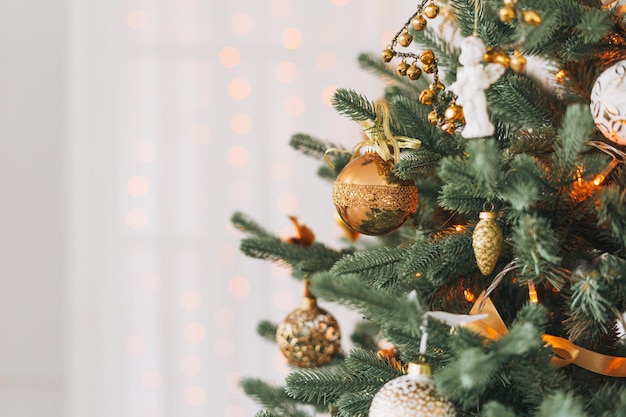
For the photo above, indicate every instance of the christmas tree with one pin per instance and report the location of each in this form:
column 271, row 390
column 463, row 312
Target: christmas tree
column 492, row 173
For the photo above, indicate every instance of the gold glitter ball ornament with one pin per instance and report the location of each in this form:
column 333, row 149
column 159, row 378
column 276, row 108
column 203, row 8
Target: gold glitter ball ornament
column 411, row 395
column 309, row 337
column 370, row 199
column 487, row 242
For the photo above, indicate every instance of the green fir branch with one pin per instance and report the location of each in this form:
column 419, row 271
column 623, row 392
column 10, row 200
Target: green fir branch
column 355, row 404
column 273, row 398
column 376, row 266
column 353, row 105
column 575, row 132
column 244, row 223
column 310, row 146
column 561, row 404
column 267, row 330
column 612, row 213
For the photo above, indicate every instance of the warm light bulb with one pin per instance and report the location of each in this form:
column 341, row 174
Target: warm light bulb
column 469, row 296
column 532, row 293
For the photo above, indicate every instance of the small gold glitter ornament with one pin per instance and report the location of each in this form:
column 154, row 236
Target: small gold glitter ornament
column 387, row 55
column 507, row 14
column 454, row 112
column 426, row 97
column 531, row 17
column 518, row 62
column 431, row 11
column 309, row 336
column 405, row 39
column 370, row 199
column 418, row 22
column 411, row 395
column 487, row 242
column 414, row 72
column 498, row 56
column 402, row 68
column 433, row 118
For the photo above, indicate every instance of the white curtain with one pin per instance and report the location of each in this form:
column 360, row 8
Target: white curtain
column 179, row 114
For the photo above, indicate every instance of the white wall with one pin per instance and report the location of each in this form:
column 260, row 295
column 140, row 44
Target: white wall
column 32, row 245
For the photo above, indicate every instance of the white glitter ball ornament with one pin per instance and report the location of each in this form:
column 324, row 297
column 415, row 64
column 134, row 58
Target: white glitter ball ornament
column 411, row 395
column 608, row 102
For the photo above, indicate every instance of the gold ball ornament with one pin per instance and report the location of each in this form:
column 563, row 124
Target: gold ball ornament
column 405, row 39
column 411, row 395
column 309, row 337
column 518, row 62
column 431, row 10
column 608, row 103
column 414, row 72
column 487, row 242
column 370, row 199
column 433, row 118
column 419, row 22
column 402, row 68
column 507, row 14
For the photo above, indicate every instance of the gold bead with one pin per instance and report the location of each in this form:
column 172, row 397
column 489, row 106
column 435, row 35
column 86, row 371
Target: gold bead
column 405, row 39
column 498, row 56
column 560, row 75
column 518, row 62
column 431, row 11
column 402, row 68
column 433, row 119
column 418, row 22
column 440, row 85
column 531, row 17
column 507, row 14
column 427, row 57
column 428, row 68
column 387, row 55
column 426, row 97
column 414, row 72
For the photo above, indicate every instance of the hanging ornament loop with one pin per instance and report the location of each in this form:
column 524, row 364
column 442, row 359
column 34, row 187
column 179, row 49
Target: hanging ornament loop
column 380, row 137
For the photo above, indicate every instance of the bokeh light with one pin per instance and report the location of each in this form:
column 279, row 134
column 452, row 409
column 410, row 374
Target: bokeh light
column 136, row 218
column 291, row 38
column 194, row 333
column 136, row 19
column 190, row 301
column 151, row 379
column 326, row 61
column 229, row 56
column 286, row 71
column 137, row 186
column 239, row 89
column 239, row 287
column 241, row 123
column 195, row 396
column 241, row 23
column 238, row 156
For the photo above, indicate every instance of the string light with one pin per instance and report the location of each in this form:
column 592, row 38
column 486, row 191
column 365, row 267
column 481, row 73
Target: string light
column 532, row 293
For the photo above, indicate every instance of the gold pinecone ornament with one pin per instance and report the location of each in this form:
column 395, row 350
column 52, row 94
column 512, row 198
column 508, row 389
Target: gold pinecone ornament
column 487, row 242
column 411, row 395
column 309, row 337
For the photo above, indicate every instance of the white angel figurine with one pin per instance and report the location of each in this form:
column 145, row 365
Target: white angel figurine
column 472, row 79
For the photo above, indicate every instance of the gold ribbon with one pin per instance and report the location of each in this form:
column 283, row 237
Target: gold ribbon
column 379, row 137
column 492, row 327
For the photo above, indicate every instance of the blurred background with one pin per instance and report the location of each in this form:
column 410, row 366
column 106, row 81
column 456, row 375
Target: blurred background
column 130, row 132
